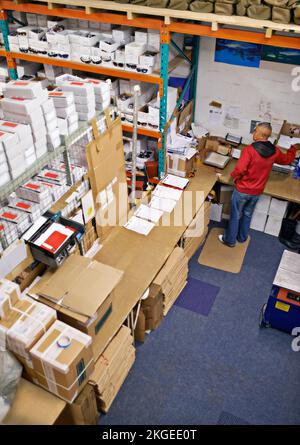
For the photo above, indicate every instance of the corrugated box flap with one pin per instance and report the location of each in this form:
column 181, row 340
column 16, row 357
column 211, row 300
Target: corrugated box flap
column 80, row 284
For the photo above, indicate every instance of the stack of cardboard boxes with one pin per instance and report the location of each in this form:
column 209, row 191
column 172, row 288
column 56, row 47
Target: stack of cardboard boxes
column 53, row 354
column 64, row 104
column 84, row 97
column 151, row 312
column 112, row 368
column 28, row 103
column 196, row 232
column 268, row 215
column 173, row 277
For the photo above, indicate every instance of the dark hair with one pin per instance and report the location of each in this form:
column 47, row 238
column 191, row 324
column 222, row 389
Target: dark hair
column 265, row 125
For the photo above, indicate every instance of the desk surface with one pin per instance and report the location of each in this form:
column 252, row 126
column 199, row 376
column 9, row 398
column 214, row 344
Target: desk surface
column 141, row 257
column 33, row 405
column 279, row 185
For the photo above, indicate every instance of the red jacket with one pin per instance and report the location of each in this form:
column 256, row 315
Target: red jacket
column 255, row 164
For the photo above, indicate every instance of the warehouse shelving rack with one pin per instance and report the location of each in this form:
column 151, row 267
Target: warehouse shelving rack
column 166, row 21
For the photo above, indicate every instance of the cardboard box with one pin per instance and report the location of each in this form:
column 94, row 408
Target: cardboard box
column 112, row 368
column 83, row 411
column 185, row 118
column 273, row 225
column 258, row 221
column 180, row 165
column 26, row 323
column 81, row 291
column 9, row 296
column 63, row 360
column 263, row 204
column 278, row 208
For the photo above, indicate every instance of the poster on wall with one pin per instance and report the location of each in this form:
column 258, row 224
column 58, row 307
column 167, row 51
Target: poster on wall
column 280, row 55
column 233, row 52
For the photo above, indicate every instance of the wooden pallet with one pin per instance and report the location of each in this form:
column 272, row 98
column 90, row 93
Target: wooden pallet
column 171, row 15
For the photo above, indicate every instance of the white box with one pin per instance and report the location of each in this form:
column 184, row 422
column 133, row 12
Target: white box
column 32, row 19
column 35, row 120
column 8, row 141
column 273, row 226
column 36, row 35
column 86, row 116
column 141, row 37
column 154, row 39
column 216, row 212
column 63, row 127
column 134, row 49
column 73, row 127
column 48, row 107
column 78, row 88
column 62, row 99
column 52, row 125
column 20, row 106
column 108, row 46
column 23, row 131
column 65, row 112
column 278, row 208
column 258, row 221
column 21, row 88
column 72, row 119
column 148, row 59
column 263, row 204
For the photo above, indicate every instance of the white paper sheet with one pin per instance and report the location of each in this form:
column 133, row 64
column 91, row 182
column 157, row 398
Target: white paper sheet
column 88, row 207
column 139, row 225
column 167, row 193
column 165, row 205
column 287, row 141
column 199, row 131
column 175, row 181
column 148, row 213
column 55, row 227
column 216, row 160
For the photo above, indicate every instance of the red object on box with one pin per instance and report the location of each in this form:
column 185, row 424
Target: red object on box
column 54, row 242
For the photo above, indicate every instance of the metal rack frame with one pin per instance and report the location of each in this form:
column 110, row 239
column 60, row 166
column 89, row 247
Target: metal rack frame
column 166, row 21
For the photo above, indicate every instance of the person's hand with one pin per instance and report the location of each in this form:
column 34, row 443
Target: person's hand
column 297, row 146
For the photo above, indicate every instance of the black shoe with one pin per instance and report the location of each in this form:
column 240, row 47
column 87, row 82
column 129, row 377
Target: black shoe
column 221, row 239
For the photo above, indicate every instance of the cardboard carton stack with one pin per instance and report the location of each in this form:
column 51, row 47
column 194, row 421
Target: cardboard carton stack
column 15, row 217
column 63, row 290
column 112, row 368
column 197, row 231
column 260, row 215
column 12, row 157
column 102, row 93
column 277, row 212
column 173, row 277
column 23, row 322
column 84, row 97
column 151, row 312
column 83, row 411
column 27, row 103
column 64, row 103
column 25, row 140
column 268, row 215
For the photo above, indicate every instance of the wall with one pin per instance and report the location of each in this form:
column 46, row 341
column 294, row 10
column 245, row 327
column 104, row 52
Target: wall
column 258, row 92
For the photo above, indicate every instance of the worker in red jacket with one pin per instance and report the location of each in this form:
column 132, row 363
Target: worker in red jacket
column 250, row 177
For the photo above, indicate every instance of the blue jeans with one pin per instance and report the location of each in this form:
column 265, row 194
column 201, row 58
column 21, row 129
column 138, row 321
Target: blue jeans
column 242, row 208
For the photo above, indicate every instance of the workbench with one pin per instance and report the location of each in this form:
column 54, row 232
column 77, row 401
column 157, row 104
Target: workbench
column 142, row 257
column 279, row 185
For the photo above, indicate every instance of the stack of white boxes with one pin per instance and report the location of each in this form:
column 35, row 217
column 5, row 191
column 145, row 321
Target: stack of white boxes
column 19, row 219
column 64, row 103
column 51, row 121
column 84, row 97
column 8, row 234
column 36, row 191
column 276, row 214
column 260, row 214
column 15, row 160
column 25, row 139
column 22, row 103
column 102, row 93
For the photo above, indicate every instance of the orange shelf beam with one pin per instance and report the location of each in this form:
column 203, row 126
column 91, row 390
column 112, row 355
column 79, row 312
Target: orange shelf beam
column 110, row 72
column 104, row 17
column 2, row 52
column 235, row 34
column 142, row 131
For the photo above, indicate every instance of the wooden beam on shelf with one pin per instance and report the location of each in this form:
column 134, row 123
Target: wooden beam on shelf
column 214, row 26
column 52, row 6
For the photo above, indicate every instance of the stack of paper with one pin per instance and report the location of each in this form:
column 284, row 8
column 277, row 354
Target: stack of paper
column 287, row 141
column 165, row 205
column 139, row 225
column 148, row 213
column 167, row 193
column 217, row 160
column 175, row 181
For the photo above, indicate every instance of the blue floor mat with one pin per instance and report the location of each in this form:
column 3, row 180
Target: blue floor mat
column 210, row 363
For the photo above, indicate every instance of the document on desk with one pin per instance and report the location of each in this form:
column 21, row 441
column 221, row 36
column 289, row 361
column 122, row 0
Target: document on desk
column 175, row 181
column 165, row 205
column 167, row 193
column 286, row 141
column 139, row 225
column 149, row 213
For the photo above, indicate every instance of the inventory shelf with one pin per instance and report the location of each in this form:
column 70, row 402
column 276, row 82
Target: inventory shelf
column 89, row 68
column 33, row 169
column 142, row 131
column 2, row 53
column 200, row 24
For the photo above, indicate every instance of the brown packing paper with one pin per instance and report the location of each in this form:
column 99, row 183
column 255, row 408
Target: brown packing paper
column 83, row 411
